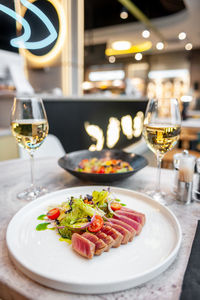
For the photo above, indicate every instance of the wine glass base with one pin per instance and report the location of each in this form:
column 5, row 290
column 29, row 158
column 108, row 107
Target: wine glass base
column 160, row 197
column 32, row 193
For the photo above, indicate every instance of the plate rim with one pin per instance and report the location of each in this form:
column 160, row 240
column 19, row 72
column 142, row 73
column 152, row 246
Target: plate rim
column 156, row 270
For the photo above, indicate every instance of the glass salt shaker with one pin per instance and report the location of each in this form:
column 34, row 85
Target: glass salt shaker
column 185, row 177
column 176, row 162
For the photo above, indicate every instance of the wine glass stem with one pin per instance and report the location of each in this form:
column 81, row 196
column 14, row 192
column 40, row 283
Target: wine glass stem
column 32, row 169
column 159, row 161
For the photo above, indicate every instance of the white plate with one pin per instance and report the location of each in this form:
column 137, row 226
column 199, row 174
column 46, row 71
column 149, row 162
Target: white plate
column 45, row 259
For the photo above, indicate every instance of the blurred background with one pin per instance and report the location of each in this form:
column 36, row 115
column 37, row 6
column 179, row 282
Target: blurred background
column 108, row 59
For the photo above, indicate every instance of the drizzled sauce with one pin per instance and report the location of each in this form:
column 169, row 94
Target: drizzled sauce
column 42, row 217
column 42, row 226
column 65, row 240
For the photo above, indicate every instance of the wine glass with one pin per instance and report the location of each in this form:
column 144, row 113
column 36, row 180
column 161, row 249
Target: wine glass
column 162, row 127
column 30, row 127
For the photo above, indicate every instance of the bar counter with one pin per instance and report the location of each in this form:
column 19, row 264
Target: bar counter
column 69, row 118
column 14, row 285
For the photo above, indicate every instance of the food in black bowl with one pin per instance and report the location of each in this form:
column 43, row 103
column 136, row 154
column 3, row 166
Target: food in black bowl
column 103, row 166
column 71, row 163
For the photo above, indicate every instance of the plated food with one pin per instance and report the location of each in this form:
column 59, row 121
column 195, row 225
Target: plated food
column 70, row 162
column 93, row 223
column 103, row 166
column 42, row 257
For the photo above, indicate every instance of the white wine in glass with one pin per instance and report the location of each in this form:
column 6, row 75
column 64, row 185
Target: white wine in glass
column 30, row 127
column 161, row 138
column 162, row 127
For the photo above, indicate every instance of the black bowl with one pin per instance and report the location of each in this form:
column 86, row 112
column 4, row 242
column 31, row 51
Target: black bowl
column 71, row 160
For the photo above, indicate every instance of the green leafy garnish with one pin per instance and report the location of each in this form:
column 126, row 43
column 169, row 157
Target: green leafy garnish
column 122, row 170
column 109, row 215
column 65, row 233
column 99, row 197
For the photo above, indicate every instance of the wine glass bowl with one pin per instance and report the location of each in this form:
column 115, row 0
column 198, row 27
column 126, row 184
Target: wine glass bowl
column 30, row 134
column 161, row 138
column 162, row 127
column 30, row 127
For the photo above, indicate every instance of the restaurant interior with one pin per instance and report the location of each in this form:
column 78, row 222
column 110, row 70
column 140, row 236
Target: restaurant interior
column 112, row 88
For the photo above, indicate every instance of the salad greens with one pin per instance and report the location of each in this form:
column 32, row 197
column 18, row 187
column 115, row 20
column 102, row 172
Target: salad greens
column 78, row 213
column 99, row 198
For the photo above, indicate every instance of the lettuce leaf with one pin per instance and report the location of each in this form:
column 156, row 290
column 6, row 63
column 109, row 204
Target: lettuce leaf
column 99, row 198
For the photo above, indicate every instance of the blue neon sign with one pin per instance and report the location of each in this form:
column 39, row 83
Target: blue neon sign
column 22, row 41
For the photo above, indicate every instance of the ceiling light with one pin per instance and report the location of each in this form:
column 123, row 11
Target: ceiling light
column 174, row 73
column 117, row 82
column 186, row 98
column 160, row 45
column 138, row 56
column 124, row 15
column 133, row 49
column 106, row 75
column 121, row 45
column 87, row 85
column 188, row 46
column 182, row 35
column 146, row 34
column 112, row 59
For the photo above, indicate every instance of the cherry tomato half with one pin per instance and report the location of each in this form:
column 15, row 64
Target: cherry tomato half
column 53, row 213
column 96, row 225
column 101, row 170
column 115, row 206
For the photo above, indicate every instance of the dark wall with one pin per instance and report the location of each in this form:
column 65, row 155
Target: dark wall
column 66, row 120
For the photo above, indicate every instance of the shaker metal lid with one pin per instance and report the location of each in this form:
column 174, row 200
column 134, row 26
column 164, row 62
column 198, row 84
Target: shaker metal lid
column 184, row 155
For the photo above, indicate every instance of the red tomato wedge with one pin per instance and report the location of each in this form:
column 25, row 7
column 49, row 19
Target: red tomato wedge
column 101, row 170
column 53, row 213
column 96, row 225
column 115, row 206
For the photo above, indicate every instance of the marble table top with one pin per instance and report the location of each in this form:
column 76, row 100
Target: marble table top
column 15, row 176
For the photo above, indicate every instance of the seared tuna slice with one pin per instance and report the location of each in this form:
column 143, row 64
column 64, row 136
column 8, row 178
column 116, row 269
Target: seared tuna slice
column 134, row 216
column 137, row 226
column 106, row 238
column 82, row 245
column 131, row 210
column 117, row 237
column 126, row 234
column 100, row 246
column 126, row 226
